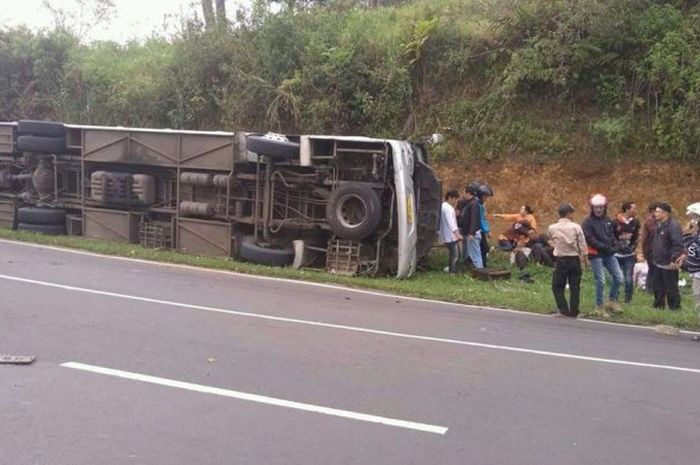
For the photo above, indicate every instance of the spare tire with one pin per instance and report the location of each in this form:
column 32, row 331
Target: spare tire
column 354, row 210
column 41, row 144
column 273, row 148
column 39, row 215
column 28, row 127
column 265, row 254
column 50, row 229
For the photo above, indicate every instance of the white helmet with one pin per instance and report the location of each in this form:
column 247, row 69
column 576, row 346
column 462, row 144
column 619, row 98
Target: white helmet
column 598, row 200
column 693, row 209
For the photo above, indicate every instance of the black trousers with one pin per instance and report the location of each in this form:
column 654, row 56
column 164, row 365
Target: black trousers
column 665, row 284
column 650, row 276
column 567, row 270
column 484, row 245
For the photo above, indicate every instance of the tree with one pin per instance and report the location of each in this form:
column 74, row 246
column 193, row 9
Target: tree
column 83, row 17
column 208, row 11
column 221, row 14
column 214, row 18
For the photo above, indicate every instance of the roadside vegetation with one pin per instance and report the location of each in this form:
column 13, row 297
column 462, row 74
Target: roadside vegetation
column 532, row 78
column 430, row 283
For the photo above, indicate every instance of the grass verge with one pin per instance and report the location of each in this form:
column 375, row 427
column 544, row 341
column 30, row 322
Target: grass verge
column 432, row 283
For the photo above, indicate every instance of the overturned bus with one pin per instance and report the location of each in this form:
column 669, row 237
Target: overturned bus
column 353, row 205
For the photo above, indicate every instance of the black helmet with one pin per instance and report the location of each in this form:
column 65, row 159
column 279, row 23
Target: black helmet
column 473, row 188
column 485, row 190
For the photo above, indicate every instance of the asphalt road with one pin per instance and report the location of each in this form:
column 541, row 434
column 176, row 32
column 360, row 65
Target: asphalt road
column 217, row 368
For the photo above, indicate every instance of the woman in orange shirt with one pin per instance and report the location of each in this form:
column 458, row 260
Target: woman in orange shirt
column 525, row 214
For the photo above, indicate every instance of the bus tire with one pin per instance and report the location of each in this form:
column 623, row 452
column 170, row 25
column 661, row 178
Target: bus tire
column 39, row 215
column 41, row 144
column 28, row 127
column 264, row 254
column 48, row 229
column 354, row 211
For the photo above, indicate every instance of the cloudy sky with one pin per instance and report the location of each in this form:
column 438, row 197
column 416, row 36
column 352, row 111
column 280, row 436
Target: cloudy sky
column 134, row 18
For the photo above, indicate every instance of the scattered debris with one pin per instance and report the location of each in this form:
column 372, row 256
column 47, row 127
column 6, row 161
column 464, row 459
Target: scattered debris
column 667, row 330
column 17, row 359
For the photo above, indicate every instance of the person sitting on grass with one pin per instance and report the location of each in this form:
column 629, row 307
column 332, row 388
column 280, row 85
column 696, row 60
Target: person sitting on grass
column 525, row 214
column 542, row 250
column 515, row 236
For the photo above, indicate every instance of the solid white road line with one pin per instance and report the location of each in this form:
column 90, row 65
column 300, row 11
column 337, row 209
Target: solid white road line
column 352, row 328
column 338, row 287
column 258, row 398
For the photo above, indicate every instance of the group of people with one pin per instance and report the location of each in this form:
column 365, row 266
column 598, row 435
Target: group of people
column 470, row 228
column 608, row 245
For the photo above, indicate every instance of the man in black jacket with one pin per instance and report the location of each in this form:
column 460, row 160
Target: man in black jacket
column 627, row 228
column 599, row 232
column 669, row 253
column 470, row 225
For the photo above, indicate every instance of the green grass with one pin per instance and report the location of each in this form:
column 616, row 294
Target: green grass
column 432, row 283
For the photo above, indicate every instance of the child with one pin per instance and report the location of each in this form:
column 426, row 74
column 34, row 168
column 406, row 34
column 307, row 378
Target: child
column 641, row 270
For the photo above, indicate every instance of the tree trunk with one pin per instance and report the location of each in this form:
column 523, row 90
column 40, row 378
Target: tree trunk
column 221, row 14
column 208, row 11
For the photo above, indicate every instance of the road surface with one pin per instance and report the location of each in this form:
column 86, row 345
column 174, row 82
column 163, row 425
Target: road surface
column 142, row 363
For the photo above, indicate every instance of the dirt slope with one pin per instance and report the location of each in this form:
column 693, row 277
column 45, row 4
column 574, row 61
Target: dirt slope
column 545, row 186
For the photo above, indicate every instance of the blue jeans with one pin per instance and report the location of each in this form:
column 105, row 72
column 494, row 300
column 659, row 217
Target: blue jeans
column 627, row 267
column 599, row 265
column 453, row 248
column 472, row 250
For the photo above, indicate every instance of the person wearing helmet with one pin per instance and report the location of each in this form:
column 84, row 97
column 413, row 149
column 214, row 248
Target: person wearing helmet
column 691, row 241
column 599, row 232
column 470, row 225
column 484, row 193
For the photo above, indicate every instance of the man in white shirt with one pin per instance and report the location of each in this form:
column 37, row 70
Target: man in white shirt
column 449, row 231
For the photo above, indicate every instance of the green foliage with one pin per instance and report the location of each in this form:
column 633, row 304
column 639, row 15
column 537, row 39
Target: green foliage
column 499, row 76
column 612, row 131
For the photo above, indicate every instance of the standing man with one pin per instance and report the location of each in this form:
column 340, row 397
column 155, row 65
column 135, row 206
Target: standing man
column 569, row 257
column 627, row 229
column 470, row 225
column 449, row 231
column 668, row 253
column 648, row 231
column 485, row 193
column 691, row 240
column 599, row 231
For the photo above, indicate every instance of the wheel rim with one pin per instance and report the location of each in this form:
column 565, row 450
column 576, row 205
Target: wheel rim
column 351, row 211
